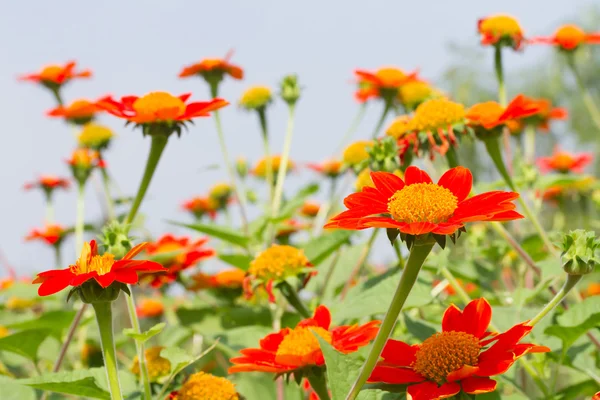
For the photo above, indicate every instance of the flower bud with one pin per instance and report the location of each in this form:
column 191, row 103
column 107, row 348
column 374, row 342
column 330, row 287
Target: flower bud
column 241, row 167
column 579, row 252
column 115, row 239
column 290, row 90
column 383, row 156
column 256, row 98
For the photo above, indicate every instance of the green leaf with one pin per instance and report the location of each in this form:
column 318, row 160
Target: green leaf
column 219, row 232
column 292, row 205
column 25, row 343
column 570, row 334
column 578, row 313
column 259, row 386
column 241, row 261
column 586, row 388
column 178, row 358
column 244, row 337
column 418, row 328
column 79, row 383
column 144, row 336
column 321, row 247
column 339, row 276
column 55, row 321
column 11, row 389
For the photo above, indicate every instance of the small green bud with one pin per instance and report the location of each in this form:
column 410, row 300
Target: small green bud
column 579, row 252
column 115, row 239
column 290, row 90
column 383, row 156
column 241, row 167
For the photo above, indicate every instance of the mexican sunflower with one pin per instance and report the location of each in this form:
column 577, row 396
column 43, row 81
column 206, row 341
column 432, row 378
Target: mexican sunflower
column 292, row 349
column 80, row 112
column 417, row 206
column 213, row 68
column 562, row 161
column 159, row 112
column 51, row 234
column 383, row 83
column 201, row 205
column 48, row 183
column 460, row 358
column 102, row 269
column 500, row 30
column 329, row 168
column 545, row 114
column 487, row 116
column 568, row 38
column 53, row 76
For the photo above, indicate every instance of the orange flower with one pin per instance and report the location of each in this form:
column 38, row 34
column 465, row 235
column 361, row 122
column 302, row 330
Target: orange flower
column 383, row 83
column 86, row 159
column 5, row 283
column 103, row 269
column 490, row 114
column 79, row 112
column 500, row 30
column 53, row 76
column 48, row 183
column 227, row 279
column 460, row 358
column 546, row 113
column 329, row 168
column 417, row 206
column 199, row 206
column 568, row 37
column 51, row 234
column 562, row 161
column 210, row 67
column 150, row 308
column 593, row 289
column 176, row 255
column 310, row 209
column 292, row 349
column 470, row 287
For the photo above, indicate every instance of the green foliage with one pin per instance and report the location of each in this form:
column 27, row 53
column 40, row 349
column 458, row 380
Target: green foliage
column 223, row 233
column 144, row 336
column 25, row 343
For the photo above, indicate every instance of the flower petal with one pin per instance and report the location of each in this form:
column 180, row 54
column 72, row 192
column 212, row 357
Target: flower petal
column 416, row 175
column 387, row 184
column 476, row 317
column 323, row 317
column 462, row 373
column 453, row 319
column 135, row 251
column 398, row 353
column 394, row 375
column 478, row 385
column 459, row 181
column 431, row 391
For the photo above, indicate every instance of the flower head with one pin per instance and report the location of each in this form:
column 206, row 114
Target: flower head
column 213, row 69
column 203, row 386
column 176, row 255
column 562, row 161
column 80, row 112
column 329, row 168
column 260, row 169
column 399, row 127
column 593, row 289
column 98, row 271
column 226, row 279
column 256, row 98
column 310, row 209
column 52, row 234
column 150, row 308
column 545, row 113
column 160, row 112
column 48, row 183
column 54, row 76
column 158, row 366
column 486, row 117
column 460, row 358
column 292, row 349
column 568, row 38
column 415, row 92
column 95, row 137
column 500, row 30
column 383, row 83
column 221, row 192
column 579, row 252
column 202, row 205
column 356, row 153
column 417, row 206
column 83, row 161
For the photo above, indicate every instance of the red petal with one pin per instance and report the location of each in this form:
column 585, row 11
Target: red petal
column 416, row 175
column 477, row 385
column 185, row 97
column 476, row 317
column 459, row 181
column 431, row 391
column 105, row 280
column 462, row 373
column 272, row 341
column 323, row 317
column 418, row 228
column 387, row 184
column 52, row 285
column 399, row 353
column 128, row 276
column 394, row 375
column 135, row 251
column 453, row 319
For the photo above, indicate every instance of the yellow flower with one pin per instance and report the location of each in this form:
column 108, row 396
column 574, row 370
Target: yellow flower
column 399, row 127
column 413, row 93
column 260, row 169
column 95, row 136
column 157, row 366
column 256, row 97
column 203, row 386
column 437, row 114
column 356, row 152
column 278, row 262
column 19, row 304
column 220, row 191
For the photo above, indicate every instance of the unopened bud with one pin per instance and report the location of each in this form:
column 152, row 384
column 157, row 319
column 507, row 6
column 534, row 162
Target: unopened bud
column 115, row 239
column 290, row 90
column 579, row 252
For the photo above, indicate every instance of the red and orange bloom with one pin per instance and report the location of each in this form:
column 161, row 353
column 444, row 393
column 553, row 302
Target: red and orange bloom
column 562, row 161
column 83, row 161
column 150, row 308
column 160, row 112
column 54, row 76
column 310, row 209
column 568, row 38
column 545, row 114
column 48, row 183
column 292, row 349
column 469, row 287
column 202, row 205
column 486, row 117
column 383, row 83
column 227, row 279
column 100, row 269
column 51, row 234
column 329, row 168
column 417, row 206
column 460, row 358
column 593, row 289
column 176, row 255
column 213, row 69
column 500, row 30
column 80, row 112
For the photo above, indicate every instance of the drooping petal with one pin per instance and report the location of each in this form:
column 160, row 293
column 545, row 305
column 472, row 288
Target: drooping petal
column 322, row 316
column 394, row 375
column 459, row 181
column 53, row 285
column 478, row 385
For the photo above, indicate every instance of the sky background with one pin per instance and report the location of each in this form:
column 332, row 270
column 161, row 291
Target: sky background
column 134, row 47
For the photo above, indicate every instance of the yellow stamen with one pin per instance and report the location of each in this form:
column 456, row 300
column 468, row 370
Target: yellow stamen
column 413, row 93
column 163, row 105
column 157, row 366
column 562, row 161
column 437, row 114
column 261, row 167
column 390, row 77
column 422, row 202
column 203, row 386
column 278, row 262
column 500, row 25
column 571, row 34
column 51, row 72
column 302, row 341
column 399, row 127
column 256, row 97
column 94, row 136
column 87, row 262
column 220, row 191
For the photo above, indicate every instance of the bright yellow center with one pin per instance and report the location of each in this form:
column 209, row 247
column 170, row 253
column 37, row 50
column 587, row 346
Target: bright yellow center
column 390, row 77
column 94, row 136
column 51, row 73
column 81, row 108
column 83, row 158
column 399, row 127
column 87, row 262
column 256, row 97
column 203, row 386
column 562, row 161
column 357, row 152
column 500, row 25
column 261, row 168
column 446, row 352
column 18, row 303
column 415, row 92
column 211, row 63
column 220, row 190
column 157, row 366
column 569, row 36
column 422, row 202
column 302, row 341
column 486, row 113
column 278, row 262
column 437, row 114
column 162, row 105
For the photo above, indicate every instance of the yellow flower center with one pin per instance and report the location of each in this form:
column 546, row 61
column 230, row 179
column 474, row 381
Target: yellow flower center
column 422, row 202
column 415, row 92
column 357, row 152
column 51, row 73
column 256, row 97
column 87, row 262
column 161, row 105
column 302, row 341
column 211, row 63
column 261, row 168
column 562, row 161
column 220, row 191
column 570, row 36
column 446, row 352
column 278, row 262
column 94, row 136
column 157, row 366
column 485, row 113
column 81, row 108
column 437, row 113
column 500, row 25
column 399, row 127
column 390, row 77
column 203, row 386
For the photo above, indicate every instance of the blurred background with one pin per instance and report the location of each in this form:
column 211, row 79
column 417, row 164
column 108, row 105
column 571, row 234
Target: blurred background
column 140, row 46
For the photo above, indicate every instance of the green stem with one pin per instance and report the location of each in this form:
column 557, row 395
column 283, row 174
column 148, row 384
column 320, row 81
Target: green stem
column 104, row 318
column 386, row 109
column 262, row 118
column 418, row 253
column 329, row 275
column 452, row 157
column 49, row 210
column 157, row 145
column 79, row 222
column 560, row 295
column 69, row 338
column 586, row 96
column 106, row 186
column 292, row 297
column 139, row 345
column 500, row 75
column 353, row 126
column 319, row 385
column 460, row 291
column 529, row 144
column 57, row 255
column 57, row 96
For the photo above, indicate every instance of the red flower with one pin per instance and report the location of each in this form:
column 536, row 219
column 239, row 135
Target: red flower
column 213, row 65
column 51, row 234
column 382, row 83
column 176, row 255
column 461, row 357
column 491, row 114
column 562, row 161
column 78, row 112
column 202, row 205
column 498, row 30
column 568, row 37
column 417, row 206
column 103, row 269
column 48, row 182
column 54, row 75
column 329, row 168
column 546, row 113
column 292, row 349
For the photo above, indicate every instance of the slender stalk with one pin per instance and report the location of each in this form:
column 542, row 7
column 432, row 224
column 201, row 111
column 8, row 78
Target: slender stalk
column 418, row 253
column 57, row 96
column 104, row 318
column 359, row 264
column 292, row 297
column 79, row 222
column 353, row 126
column 139, row 346
column 57, row 254
column 49, row 210
column 560, row 295
column 499, row 228
column 529, row 144
column 500, row 75
column 386, row 109
column 262, row 118
column 318, row 384
column 110, row 207
column 586, row 96
column 157, row 145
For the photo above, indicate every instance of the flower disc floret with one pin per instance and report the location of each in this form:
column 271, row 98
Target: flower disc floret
column 422, row 202
column 437, row 114
column 95, row 136
column 357, row 152
column 501, row 29
column 157, row 366
column 203, row 386
column 256, row 97
column 278, row 262
column 301, row 342
column 399, row 127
